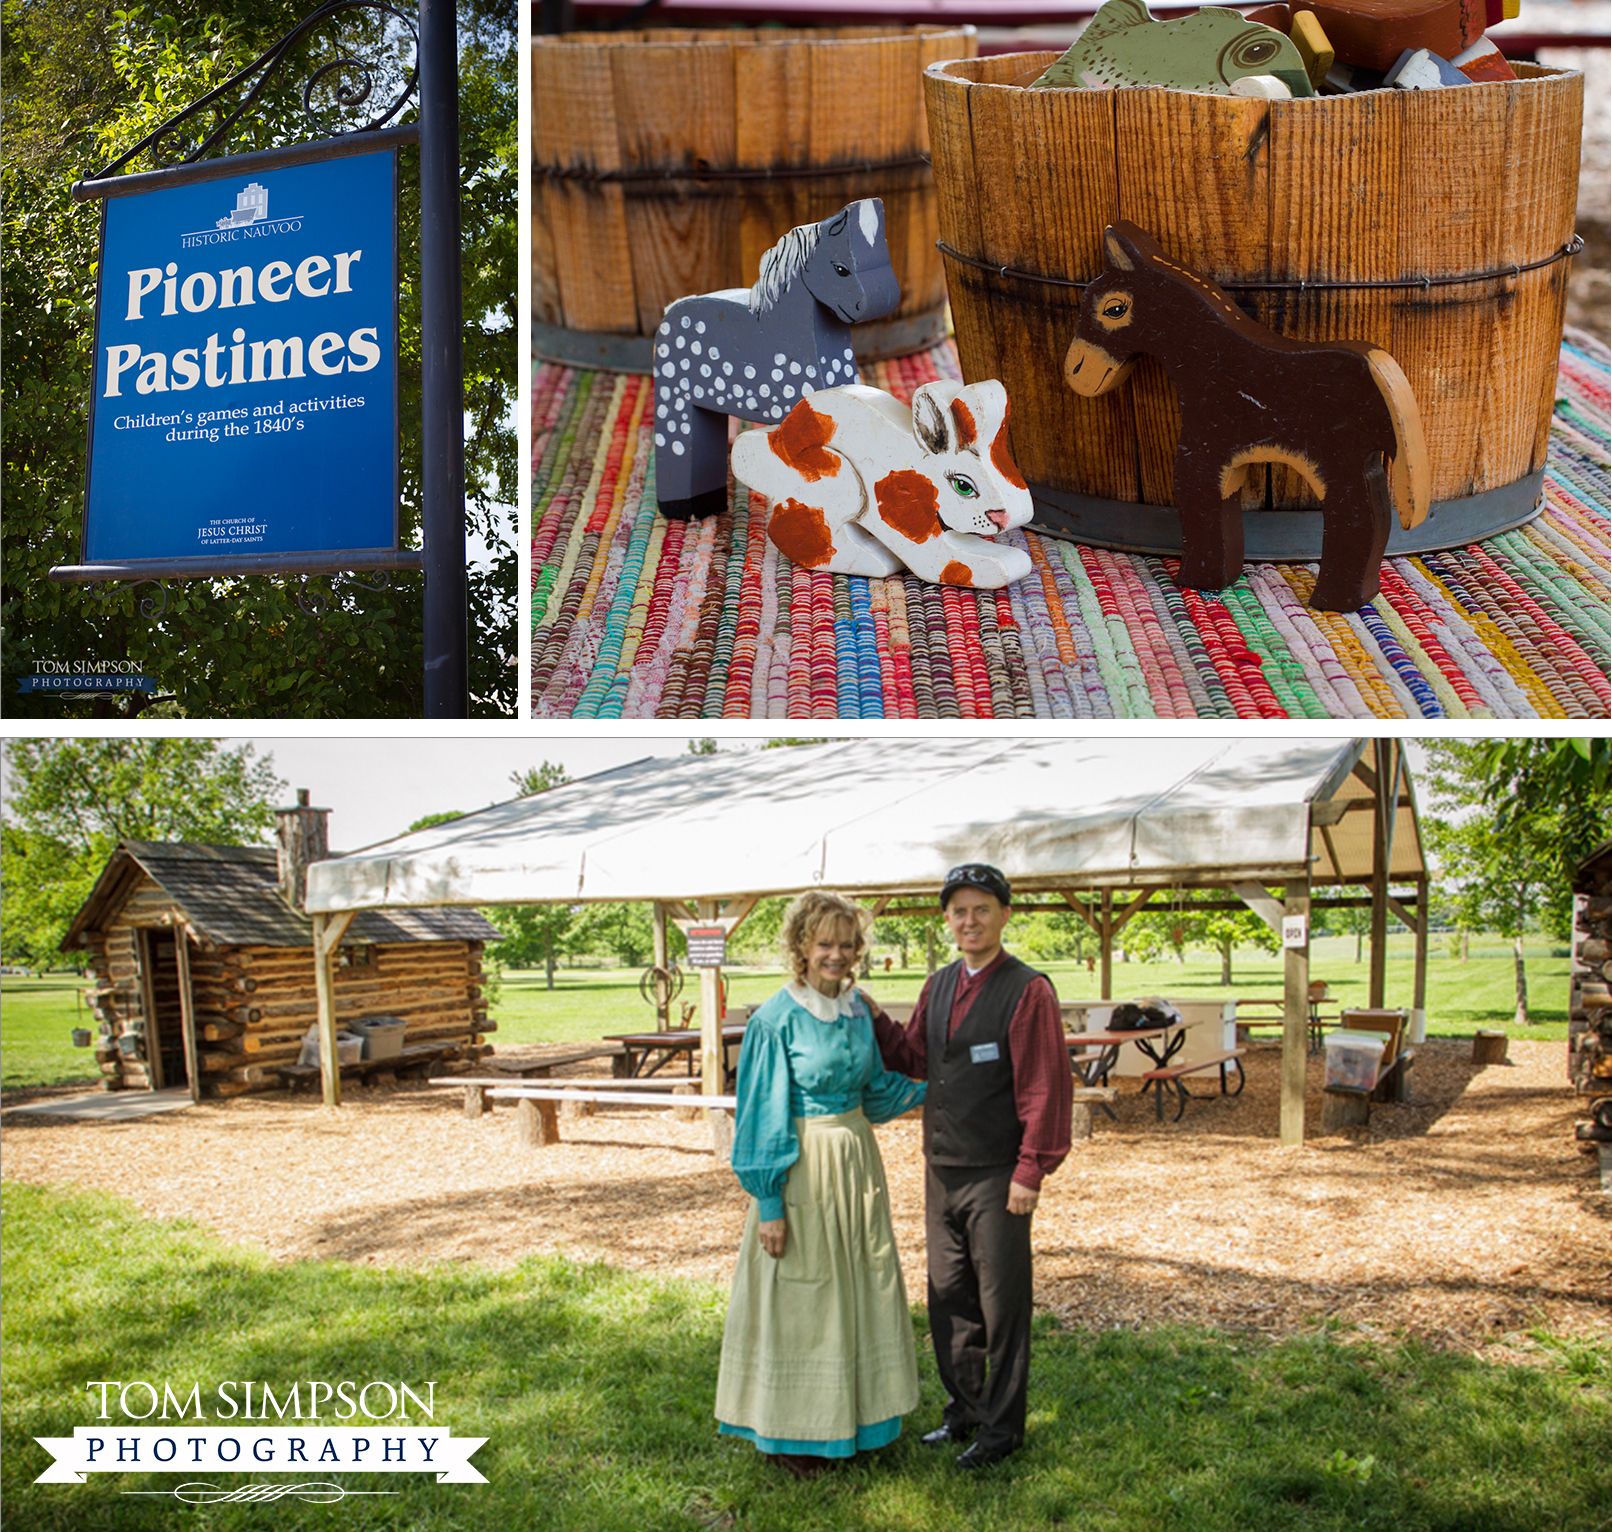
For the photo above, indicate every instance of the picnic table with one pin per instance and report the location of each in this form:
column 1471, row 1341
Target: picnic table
column 644, row 1053
column 1094, row 1054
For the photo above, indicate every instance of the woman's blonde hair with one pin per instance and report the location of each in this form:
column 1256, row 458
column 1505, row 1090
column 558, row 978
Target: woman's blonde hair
column 808, row 914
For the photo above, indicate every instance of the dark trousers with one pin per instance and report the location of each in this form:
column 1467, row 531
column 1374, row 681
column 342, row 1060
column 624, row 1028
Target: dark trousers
column 979, row 1299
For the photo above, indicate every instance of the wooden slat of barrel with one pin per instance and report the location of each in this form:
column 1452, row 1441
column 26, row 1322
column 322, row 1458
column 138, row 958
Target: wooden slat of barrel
column 1544, row 123
column 592, row 252
column 1319, row 234
column 675, row 106
column 1039, row 215
column 1195, row 172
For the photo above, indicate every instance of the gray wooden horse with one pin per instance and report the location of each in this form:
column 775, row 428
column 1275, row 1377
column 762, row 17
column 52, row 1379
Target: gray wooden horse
column 754, row 352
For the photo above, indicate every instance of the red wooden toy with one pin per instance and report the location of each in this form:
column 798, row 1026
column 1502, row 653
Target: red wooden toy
column 1371, row 34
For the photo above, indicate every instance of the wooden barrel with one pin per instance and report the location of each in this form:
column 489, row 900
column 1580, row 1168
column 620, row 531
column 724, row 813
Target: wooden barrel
column 1335, row 217
column 668, row 162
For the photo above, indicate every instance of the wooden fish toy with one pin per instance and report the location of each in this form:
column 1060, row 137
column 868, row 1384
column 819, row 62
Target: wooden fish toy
column 1124, row 45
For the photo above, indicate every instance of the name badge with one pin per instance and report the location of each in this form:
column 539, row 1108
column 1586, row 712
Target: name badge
column 984, row 1053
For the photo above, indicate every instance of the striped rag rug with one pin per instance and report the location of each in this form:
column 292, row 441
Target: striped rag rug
column 634, row 616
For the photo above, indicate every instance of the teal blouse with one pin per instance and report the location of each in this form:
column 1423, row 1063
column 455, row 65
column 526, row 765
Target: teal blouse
column 792, row 1064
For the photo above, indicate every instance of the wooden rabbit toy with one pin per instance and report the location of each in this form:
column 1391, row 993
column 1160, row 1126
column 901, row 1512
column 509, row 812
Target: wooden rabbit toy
column 865, row 486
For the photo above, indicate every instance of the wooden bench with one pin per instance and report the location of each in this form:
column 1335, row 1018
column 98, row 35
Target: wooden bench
column 537, row 1114
column 507, row 1070
column 1346, row 1106
column 1171, row 1076
column 414, row 1061
column 479, row 1089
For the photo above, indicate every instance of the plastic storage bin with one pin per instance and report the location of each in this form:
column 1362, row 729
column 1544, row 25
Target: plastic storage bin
column 383, row 1036
column 1353, row 1059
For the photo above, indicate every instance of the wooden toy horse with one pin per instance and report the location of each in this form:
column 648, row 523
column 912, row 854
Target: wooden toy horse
column 863, row 485
column 1340, row 412
column 752, row 352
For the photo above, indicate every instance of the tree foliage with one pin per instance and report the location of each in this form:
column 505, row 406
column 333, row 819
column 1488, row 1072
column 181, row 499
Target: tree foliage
column 82, row 83
column 1509, row 821
column 69, row 803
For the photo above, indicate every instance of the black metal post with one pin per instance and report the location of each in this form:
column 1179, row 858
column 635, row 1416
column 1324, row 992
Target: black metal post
column 442, row 381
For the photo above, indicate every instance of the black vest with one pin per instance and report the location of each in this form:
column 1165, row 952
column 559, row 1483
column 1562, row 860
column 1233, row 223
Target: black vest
column 970, row 1115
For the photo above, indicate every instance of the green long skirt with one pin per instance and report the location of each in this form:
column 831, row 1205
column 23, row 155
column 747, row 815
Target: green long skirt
column 818, row 1355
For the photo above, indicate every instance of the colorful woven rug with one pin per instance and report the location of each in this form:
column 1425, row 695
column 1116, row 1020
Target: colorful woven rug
column 634, row 616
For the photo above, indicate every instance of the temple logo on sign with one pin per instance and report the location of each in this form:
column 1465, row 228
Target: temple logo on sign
column 251, row 206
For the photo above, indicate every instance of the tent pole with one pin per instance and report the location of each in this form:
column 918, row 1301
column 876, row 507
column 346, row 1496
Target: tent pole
column 1418, row 1018
column 1387, row 783
column 710, row 913
column 1107, row 939
column 1295, row 1014
column 328, row 931
column 187, row 1011
column 663, row 1002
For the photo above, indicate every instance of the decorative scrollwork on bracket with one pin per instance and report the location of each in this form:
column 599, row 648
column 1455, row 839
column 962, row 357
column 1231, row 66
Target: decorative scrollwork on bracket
column 151, row 607
column 320, row 598
column 350, row 79
column 317, row 601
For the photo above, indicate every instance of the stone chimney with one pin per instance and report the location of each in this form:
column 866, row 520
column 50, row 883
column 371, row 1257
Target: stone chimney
column 303, row 836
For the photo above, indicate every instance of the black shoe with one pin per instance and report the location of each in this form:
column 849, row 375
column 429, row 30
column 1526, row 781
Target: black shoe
column 981, row 1456
column 945, row 1434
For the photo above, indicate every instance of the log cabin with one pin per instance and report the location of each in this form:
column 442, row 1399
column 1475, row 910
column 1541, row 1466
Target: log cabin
column 204, row 965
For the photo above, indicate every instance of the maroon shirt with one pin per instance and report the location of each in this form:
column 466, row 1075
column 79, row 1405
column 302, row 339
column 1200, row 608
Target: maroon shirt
column 1043, row 1083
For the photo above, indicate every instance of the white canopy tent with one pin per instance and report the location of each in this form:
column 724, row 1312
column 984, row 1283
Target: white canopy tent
column 883, row 820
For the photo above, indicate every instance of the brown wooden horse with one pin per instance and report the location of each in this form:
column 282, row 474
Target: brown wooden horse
column 1339, row 412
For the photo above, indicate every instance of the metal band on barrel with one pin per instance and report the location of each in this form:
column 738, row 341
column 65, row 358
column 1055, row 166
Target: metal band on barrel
column 1570, row 249
column 590, row 176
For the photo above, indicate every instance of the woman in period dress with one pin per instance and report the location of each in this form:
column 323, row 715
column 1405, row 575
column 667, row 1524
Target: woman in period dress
column 817, row 1358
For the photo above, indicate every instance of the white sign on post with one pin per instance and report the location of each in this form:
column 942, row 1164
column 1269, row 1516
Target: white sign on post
column 1295, row 931
column 707, row 946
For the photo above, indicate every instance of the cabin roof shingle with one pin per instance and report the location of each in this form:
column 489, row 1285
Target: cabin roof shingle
column 230, row 895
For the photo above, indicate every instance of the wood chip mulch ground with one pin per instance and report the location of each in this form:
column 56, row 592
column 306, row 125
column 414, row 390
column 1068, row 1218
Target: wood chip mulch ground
column 1467, row 1217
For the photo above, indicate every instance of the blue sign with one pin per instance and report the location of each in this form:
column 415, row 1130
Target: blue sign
column 246, row 367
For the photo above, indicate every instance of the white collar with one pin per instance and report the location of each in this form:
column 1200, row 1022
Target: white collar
column 819, row 1004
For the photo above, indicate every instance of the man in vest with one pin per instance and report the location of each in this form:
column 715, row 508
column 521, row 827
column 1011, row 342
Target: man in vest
column 988, row 1036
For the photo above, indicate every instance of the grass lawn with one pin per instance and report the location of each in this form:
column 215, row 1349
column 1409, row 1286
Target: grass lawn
column 1462, row 997
column 36, row 1015
column 594, row 1388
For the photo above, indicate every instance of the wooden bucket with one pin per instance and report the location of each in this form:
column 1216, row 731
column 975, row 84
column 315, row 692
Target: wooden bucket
column 1339, row 217
column 668, row 162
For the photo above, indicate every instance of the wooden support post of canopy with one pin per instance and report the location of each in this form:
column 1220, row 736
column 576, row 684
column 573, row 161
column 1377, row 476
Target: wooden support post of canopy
column 328, row 931
column 713, row 1054
column 1389, row 766
column 1106, row 938
column 1419, row 993
column 187, row 1011
column 1295, row 1014
column 663, row 995
column 711, row 1050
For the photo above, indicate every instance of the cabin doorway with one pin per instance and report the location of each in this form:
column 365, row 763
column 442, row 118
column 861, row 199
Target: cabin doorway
column 165, row 1013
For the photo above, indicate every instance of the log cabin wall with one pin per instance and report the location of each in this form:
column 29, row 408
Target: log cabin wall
column 254, row 1004
column 1589, row 1027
